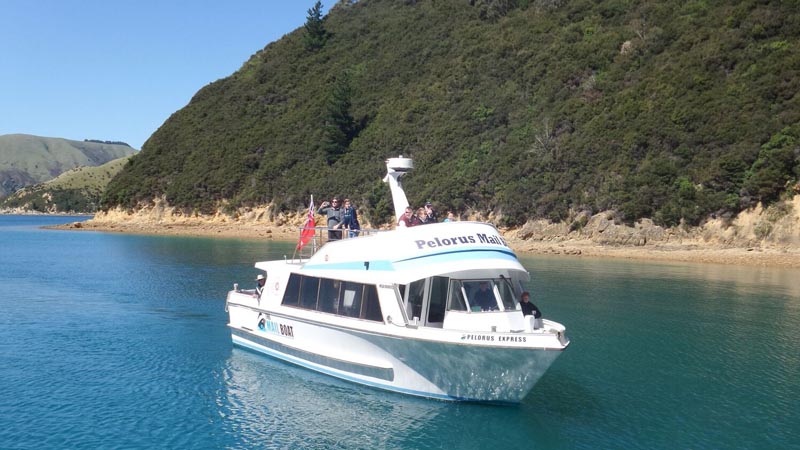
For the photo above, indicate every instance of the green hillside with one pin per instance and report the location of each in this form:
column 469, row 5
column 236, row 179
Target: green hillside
column 673, row 110
column 26, row 160
column 77, row 190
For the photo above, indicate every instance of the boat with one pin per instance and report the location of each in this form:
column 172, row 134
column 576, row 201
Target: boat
column 397, row 310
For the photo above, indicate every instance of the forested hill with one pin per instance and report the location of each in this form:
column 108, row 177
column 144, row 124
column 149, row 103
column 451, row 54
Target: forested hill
column 526, row 109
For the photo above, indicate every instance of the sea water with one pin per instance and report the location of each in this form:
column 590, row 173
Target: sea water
column 120, row 341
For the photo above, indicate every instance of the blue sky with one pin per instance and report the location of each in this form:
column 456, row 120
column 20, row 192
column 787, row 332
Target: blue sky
column 117, row 69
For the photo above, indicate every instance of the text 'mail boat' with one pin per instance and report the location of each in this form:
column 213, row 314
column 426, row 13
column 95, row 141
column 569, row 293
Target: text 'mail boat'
column 397, row 310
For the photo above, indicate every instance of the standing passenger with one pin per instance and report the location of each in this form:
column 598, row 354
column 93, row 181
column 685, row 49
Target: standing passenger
column 430, row 213
column 350, row 219
column 334, row 215
column 405, row 219
column 421, row 217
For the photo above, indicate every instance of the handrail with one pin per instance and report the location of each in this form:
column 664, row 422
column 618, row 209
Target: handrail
column 322, row 236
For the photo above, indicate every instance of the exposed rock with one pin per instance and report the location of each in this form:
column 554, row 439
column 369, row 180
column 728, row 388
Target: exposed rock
column 760, row 236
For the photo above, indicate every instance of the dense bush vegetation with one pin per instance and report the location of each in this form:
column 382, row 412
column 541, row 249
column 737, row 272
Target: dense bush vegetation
column 673, row 110
column 98, row 141
column 55, row 200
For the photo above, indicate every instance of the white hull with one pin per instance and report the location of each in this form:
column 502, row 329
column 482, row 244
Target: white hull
column 447, row 365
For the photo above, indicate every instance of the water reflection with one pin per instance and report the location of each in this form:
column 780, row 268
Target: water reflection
column 269, row 402
column 265, row 402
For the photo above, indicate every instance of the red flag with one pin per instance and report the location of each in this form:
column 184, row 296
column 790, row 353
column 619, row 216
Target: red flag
column 308, row 229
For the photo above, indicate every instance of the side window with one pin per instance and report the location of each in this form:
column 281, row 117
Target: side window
column 328, row 295
column 456, row 302
column 371, row 309
column 350, row 299
column 292, row 290
column 308, row 292
column 507, row 294
column 480, row 295
column 416, row 291
column 438, row 299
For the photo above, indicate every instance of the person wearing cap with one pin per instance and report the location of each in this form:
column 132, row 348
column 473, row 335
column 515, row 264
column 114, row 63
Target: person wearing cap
column 261, row 281
column 430, row 213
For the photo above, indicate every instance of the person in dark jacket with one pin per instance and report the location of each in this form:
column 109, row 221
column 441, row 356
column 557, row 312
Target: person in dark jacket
column 350, row 219
column 484, row 297
column 334, row 213
column 430, row 213
column 529, row 309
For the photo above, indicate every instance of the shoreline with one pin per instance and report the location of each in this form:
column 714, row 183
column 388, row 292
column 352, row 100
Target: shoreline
column 785, row 257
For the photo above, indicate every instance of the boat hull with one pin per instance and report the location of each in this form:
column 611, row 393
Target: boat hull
column 433, row 368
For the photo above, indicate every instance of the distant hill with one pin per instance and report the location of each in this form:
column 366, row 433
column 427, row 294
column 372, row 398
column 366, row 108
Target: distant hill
column 78, row 190
column 27, row 160
column 674, row 110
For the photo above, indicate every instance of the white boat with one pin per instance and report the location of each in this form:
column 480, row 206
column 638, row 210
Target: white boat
column 396, row 310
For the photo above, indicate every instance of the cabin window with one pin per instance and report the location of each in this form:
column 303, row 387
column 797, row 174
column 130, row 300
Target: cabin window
column 372, row 307
column 292, row 292
column 480, row 294
column 416, row 293
column 308, row 292
column 350, row 299
column 343, row 298
column 328, row 295
column 456, row 302
column 438, row 299
column 506, row 290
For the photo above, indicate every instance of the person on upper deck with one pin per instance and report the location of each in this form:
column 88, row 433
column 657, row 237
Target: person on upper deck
column 450, row 217
column 334, row 214
column 421, row 217
column 529, row 309
column 350, row 219
column 408, row 219
column 430, row 213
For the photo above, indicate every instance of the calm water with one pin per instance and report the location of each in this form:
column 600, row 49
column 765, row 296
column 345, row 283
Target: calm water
column 119, row 341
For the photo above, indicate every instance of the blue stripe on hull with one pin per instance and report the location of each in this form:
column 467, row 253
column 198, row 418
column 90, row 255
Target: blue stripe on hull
column 345, row 366
column 243, row 341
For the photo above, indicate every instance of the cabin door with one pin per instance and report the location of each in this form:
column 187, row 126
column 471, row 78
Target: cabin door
column 437, row 301
column 426, row 300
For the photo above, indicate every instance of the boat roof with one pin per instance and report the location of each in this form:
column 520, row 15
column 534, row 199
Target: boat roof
column 468, row 249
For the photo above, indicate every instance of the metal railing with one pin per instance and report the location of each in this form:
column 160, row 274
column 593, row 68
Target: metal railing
column 323, row 235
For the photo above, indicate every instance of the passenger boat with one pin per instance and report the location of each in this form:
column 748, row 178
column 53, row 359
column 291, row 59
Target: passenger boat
column 397, row 310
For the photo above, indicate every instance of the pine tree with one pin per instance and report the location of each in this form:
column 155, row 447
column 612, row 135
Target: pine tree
column 340, row 127
column 316, row 35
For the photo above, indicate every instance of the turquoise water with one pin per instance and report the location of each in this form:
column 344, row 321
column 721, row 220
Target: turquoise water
column 119, row 341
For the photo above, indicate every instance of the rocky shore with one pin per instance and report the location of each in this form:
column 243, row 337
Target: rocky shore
column 758, row 237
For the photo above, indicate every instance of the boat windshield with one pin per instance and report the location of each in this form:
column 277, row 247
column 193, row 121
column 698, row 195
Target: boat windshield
column 485, row 294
